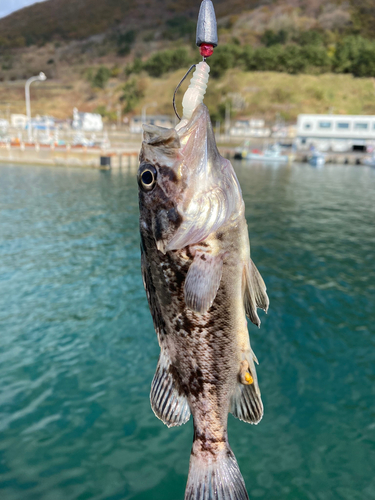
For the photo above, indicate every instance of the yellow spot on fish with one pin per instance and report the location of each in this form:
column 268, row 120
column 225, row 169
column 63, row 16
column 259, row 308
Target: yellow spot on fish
column 249, row 379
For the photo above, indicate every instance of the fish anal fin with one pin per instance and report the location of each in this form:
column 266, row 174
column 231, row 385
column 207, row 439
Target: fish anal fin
column 203, row 281
column 246, row 401
column 168, row 402
column 255, row 294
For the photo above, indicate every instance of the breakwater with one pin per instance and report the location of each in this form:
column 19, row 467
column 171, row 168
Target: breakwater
column 66, row 155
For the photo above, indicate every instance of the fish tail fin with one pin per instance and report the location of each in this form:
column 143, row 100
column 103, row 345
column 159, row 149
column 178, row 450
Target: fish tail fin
column 214, row 476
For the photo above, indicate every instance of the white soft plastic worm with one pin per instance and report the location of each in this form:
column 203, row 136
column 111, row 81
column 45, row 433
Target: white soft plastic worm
column 196, row 90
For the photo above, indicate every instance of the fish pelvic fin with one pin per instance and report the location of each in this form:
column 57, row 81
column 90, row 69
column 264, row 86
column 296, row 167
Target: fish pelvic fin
column 168, row 401
column 215, row 476
column 255, row 294
column 246, row 403
column 203, row 281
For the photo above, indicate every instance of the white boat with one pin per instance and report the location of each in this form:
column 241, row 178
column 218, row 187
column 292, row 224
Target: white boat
column 317, row 159
column 271, row 154
column 370, row 160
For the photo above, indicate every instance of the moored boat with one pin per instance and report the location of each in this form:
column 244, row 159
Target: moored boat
column 317, row 159
column 370, row 160
column 270, row 154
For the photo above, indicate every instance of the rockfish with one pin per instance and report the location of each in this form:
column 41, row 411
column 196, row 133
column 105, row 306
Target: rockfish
column 200, row 284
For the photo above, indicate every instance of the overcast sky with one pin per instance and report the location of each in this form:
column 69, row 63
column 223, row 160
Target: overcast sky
column 8, row 6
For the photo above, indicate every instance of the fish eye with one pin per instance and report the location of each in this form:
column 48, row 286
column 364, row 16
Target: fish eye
column 147, row 177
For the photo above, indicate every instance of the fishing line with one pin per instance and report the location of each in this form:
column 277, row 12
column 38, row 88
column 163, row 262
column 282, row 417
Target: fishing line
column 178, row 86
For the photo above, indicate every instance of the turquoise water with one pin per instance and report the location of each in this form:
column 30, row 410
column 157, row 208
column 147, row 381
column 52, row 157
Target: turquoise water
column 78, row 350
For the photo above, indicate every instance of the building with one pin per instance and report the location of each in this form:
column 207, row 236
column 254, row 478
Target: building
column 87, row 122
column 250, row 128
column 42, row 123
column 336, row 132
column 4, row 124
column 159, row 120
column 18, row 120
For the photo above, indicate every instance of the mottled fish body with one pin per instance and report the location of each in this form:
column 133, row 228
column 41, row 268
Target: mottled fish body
column 200, row 284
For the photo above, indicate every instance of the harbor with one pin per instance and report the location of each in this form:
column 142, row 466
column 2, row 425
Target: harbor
column 85, row 142
column 87, row 156
column 186, row 250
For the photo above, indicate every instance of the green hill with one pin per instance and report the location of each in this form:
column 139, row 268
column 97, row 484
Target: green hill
column 113, row 54
column 65, row 20
column 79, row 19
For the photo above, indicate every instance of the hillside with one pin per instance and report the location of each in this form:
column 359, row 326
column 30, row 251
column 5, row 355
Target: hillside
column 66, row 20
column 274, row 57
column 259, row 94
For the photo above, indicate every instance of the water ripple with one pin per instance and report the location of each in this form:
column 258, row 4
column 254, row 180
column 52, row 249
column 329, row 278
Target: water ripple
column 78, row 350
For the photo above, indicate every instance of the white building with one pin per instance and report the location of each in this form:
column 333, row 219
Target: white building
column 18, row 120
column 88, row 122
column 250, row 128
column 4, row 124
column 336, row 132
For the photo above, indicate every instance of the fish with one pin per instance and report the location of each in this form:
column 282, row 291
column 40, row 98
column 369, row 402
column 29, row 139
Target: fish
column 200, row 284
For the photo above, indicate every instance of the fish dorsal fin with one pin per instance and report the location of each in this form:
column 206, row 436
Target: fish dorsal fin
column 255, row 294
column 203, row 281
column 246, row 403
column 168, row 401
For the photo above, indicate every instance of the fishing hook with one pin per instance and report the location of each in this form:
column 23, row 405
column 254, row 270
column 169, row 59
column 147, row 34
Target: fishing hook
column 178, row 86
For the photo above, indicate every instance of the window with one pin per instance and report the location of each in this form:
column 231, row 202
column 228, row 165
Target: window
column 342, row 125
column 307, row 125
column 324, row 124
column 361, row 126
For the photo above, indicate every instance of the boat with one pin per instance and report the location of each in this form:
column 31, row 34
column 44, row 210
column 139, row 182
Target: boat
column 317, row 159
column 270, row 154
column 370, row 160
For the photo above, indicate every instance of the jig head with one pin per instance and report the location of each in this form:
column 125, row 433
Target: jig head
column 206, row 40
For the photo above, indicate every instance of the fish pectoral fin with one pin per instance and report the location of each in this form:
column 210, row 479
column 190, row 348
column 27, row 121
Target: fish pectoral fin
column 255, row 294
column 203, row 281
column 168, row 402
column 246, row 403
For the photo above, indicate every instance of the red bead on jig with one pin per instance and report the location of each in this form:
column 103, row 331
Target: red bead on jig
column 206, row 50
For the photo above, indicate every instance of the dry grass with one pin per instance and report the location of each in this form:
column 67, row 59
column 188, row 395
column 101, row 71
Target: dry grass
column 261, row 94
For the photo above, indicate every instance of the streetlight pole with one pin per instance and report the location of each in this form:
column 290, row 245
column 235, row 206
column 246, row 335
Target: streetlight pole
column 41, row 77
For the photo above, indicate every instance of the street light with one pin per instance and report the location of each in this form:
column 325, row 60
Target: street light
column 41, row 77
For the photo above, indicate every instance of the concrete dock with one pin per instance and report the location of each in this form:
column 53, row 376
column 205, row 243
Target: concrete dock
column 72, row 156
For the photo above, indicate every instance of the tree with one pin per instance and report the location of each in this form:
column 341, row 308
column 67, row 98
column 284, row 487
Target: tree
column 365, row 62
column 132, row 92
column 347, row 53
column 225, row 57
column 101, row 77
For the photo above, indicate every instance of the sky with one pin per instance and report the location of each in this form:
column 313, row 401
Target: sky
column 8, row 6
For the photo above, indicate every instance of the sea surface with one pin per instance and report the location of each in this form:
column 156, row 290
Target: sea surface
column 78, row 350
